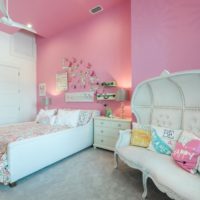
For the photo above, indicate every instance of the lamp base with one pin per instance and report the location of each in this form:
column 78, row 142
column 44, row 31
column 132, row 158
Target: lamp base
column 122, row 110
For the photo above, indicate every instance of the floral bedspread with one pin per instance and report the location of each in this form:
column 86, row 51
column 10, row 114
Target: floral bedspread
column 18, row 132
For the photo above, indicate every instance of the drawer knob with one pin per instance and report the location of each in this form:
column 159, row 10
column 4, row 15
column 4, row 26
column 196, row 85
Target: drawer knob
column 101, row 123
column 119, row 125
column 101, row 140
column 102, row 131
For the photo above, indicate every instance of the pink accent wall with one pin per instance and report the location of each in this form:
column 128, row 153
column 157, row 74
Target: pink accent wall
column 104, row 41
column 165, row 35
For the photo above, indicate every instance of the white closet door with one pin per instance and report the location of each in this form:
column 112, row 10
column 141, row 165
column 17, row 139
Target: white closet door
column 9, row 94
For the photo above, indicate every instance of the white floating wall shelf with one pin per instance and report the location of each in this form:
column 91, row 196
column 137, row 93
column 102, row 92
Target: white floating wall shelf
column 109, row 84
column 106, row 96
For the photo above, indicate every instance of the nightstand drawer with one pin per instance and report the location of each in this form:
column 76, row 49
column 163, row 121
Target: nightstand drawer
column 104, row 131
column 105, row 141
column 112, row 124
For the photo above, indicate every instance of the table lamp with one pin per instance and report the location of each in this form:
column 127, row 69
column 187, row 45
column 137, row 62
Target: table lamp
column 46, row 101
column 121, row 96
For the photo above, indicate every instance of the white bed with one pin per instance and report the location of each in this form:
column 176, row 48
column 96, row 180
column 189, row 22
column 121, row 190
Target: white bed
column 30, row 155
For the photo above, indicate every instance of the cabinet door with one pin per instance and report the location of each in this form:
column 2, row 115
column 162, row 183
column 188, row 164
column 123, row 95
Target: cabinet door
column 9, row 94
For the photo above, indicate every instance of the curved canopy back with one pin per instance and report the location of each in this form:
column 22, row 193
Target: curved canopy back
column 171, row 100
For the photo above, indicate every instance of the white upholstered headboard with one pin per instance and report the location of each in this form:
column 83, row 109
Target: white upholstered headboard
column 171, row 100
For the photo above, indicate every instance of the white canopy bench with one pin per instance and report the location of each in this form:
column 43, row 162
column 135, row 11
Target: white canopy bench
column 172, row 101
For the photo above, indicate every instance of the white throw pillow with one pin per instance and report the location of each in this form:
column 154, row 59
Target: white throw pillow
column 52, row 120
column 163, row 140
column 46, row 116
column 67, row 117
column 84, row 117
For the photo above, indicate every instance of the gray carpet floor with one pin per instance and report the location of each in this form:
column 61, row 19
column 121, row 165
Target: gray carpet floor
column 87, row 175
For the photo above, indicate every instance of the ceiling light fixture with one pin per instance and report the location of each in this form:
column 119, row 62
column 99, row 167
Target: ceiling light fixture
column 5, row 18
column 96, row 9
column 29, row 25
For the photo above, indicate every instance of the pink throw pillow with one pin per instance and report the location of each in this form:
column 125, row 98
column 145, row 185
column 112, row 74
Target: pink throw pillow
column 187, row 152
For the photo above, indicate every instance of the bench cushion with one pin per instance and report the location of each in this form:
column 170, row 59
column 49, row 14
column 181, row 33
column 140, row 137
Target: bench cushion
column 163, row 171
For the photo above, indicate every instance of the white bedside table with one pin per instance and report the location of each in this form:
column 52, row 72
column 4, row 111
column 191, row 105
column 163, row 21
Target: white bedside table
column 106, row 131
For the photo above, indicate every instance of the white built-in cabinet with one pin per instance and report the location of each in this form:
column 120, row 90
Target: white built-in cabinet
column 17, row 78
column 9, row 94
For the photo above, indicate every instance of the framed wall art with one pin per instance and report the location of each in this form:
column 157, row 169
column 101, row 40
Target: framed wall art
column 79, row 97
column 61, row 81
column 42, row 89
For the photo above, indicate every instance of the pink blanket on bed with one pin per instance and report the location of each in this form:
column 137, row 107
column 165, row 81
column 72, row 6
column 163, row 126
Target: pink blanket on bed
column 18, row 132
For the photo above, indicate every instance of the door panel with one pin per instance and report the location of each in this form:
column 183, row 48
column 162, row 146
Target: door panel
column 9, row 94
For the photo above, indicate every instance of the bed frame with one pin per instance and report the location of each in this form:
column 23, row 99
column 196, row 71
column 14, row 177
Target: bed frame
column 30, row 155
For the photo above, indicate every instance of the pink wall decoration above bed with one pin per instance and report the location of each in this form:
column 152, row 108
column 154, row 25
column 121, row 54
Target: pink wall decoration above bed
column 80, row 74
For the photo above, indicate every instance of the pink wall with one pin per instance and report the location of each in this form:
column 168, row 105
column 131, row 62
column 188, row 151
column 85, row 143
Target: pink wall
column 165, row 35
column 103, row 41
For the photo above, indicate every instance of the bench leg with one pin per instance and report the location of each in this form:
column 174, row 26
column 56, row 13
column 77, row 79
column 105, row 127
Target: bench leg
column 12, row 184
column 144, row 181
column 116, row 160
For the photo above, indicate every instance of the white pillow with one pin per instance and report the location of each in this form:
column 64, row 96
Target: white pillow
column 84, row 117
column 46, row 116
column 163, row 140
column 67, row 117
column 47, row 120
column 52, row 120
